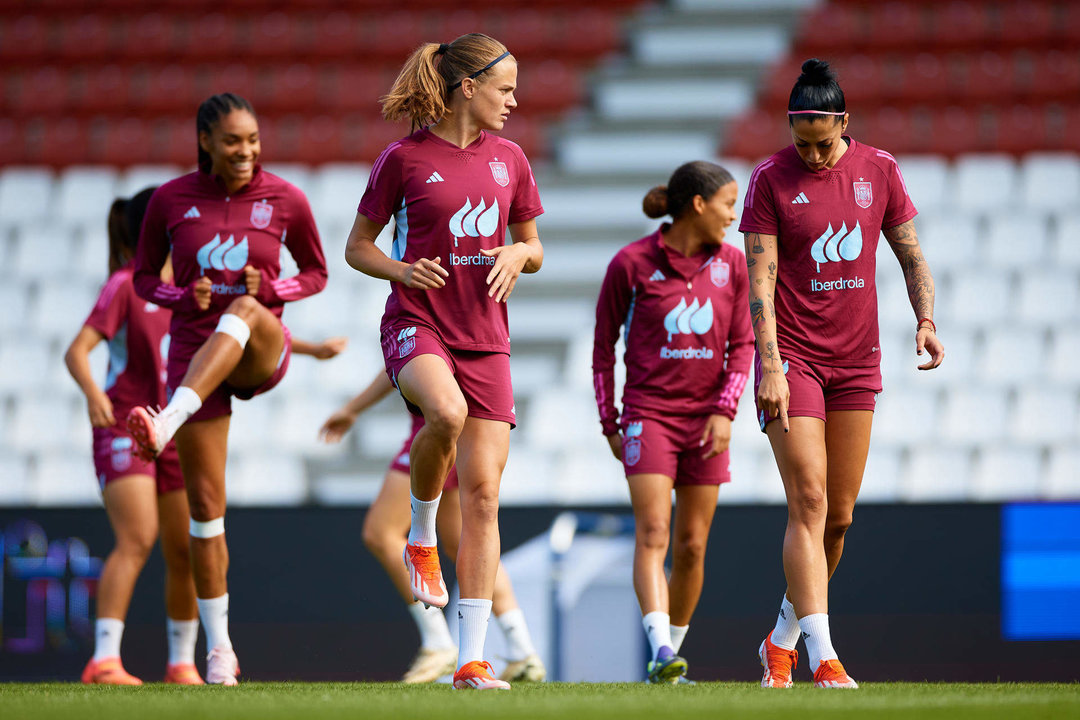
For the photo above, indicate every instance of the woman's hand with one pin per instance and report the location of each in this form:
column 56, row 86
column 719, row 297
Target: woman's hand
column 509, row 261
column 927, row 339
column 330, row 347
column 202, row 292
column 717, row 435
column 773, row 397
column 615, row 443
column 336, row 426
column 425, row 274
column 100, row 409
column 252, row 280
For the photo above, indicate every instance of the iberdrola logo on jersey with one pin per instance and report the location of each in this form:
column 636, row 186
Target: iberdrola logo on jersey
column 228, row 255
column 837, row 246
column 479, row 221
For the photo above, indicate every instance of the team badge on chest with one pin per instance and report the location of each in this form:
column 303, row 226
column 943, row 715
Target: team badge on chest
column 500, row 173
column 720, row 273
column 261, row 212
column 864, row 194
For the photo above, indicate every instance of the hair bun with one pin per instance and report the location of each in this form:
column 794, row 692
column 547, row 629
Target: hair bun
column 816, row 72
column 655, row 203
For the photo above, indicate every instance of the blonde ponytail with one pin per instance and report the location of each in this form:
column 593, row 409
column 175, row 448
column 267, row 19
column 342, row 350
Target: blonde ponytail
column 422, row 89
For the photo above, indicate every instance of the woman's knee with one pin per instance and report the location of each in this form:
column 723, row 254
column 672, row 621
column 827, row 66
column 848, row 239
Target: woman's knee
column 690, row 549
column 377, row 537
column 653, row 533
column 446, row 416
column 136, row 543
column 482, row 505
column 837, row 524
column 206, row 504
column 246, row 307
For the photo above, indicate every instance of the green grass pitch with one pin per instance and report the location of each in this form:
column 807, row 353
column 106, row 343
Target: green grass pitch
column 617, row 701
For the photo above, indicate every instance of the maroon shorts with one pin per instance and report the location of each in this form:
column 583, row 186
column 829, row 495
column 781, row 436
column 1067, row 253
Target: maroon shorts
column 113, row 458
column 400, row 462
column 671, row 447
column 219, row 402
column 816, row 389
column 483, row 377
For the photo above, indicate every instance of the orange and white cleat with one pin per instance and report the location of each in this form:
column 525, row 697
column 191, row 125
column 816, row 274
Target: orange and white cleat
column 222, row 667
column 831, row 674
column 143, row 426
column 425, row 575
column 478, row 675
column 182, row 674
column 778, row 664
column 108, row 671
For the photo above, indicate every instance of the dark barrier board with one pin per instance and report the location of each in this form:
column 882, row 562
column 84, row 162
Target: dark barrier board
column 917, row 596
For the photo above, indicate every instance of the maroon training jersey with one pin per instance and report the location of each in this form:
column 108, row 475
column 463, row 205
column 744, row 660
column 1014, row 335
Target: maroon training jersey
column 138, row 335
column 451, row 203
column 688, row 335
column 827, row 225
column 214, row 234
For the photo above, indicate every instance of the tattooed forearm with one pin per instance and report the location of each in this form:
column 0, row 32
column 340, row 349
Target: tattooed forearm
column 758, row 247
column 757, row 311
column 750, row 262
column 772, row 270
column 920, row 283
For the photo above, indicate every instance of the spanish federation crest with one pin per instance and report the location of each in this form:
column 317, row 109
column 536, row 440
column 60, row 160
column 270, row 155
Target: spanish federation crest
column 864, row 194
column 261, row 213
column 720, row 273
column 500, row 173
column 631, row 446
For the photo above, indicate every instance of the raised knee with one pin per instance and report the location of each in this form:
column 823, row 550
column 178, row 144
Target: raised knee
column 375, row 539
column 245, row 307
column 446, row 418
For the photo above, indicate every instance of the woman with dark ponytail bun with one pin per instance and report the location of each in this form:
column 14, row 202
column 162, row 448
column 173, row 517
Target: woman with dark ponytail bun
column 679, row 293
column 811, row 220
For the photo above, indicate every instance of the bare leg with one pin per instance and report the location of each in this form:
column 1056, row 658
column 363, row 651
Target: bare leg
column 650, row 496
column 202, row 447
column 847, row 438
column 503, row 599
column 426, row 381
column 386, row 527
column 695, row 506
column 800, row 456
column 130, row 505
column 179, row 582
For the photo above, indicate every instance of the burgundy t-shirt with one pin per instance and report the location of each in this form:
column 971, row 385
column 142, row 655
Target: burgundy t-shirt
column 687, row 328
column 827, row 225
column 216, row 234
column 451, row 203
column 137, row 332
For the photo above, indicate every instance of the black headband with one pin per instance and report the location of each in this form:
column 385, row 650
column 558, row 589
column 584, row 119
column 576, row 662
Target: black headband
column 479, row 72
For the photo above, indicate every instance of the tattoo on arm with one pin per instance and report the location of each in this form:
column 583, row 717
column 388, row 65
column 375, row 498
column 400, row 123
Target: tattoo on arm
column 758, row 247
column 920, row 283
column 772, row 269
column 750, row 262
column 757, row 310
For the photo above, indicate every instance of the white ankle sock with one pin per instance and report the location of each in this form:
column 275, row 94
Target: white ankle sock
column 214, row 613
column 786, row 632
column 473, row 617
column 108, row 632
column 658, row 629
column 184, row 403
column 519, row 644
column 815, row 631
column 182, row 635
column 422, row 530
column 431, row 623
column 678, row 634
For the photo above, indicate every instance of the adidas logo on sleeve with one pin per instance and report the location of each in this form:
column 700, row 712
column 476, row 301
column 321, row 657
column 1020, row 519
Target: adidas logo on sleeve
column 435, row 177
column 192, row 213
column 801, row 199
column 656, row 276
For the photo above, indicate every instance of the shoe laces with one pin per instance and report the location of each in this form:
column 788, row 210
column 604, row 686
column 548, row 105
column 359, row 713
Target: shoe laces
column 425, row 559
column 833, row 670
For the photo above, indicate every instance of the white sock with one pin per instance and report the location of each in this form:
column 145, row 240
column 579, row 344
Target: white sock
column 182, row 635
column 422, row 530
column 815, row 631
column 185, row 402
column 214, row 613
column 473, row 617
column 786, row 632
column 519, row 644
column 108, row 632
column 658, row 629
column 678, row 634
column 434, row 632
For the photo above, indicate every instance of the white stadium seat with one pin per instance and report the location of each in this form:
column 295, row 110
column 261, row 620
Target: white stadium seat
column 556, row 320
column 16, row 488
column 978, row 298
column 1011, row 353
column 1017, row 239
column 929, row 182
column 25, row 363
column 1064, row 360
column 1066, row 253
column 1063, row 473
column 589, row 477
column 1049, row 297
column 43, row 250
column 336, row 192
column 1050, row 181
column 49, row 423
column 139, row 177
column 66, row 480
column 986, row 182
column 882, row 478
column 907, row 416
column 26, row 194
column 949, row 240
column 85, row 194
column 974, row 415
column 561, row 419
column 265, row 479
column 935, row 474
column 1045, row 415
column 1006, row 474
column 62, row 306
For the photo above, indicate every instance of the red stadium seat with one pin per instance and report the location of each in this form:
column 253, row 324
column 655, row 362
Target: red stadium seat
column 1020, row 129
column 338, row 35
column 393, row 36
column 12, row 145
column 526, row 33
column 955, row 131
column 889, row 128
column 273, row 35
column 234, row 78
column 175, row 141
column 548, row 86
column 960, row 24
column 1027, row 23
column 830, row 27
column 126, row 142
column 24, row 39
column 171, row 89
column 150, row 36
column 896, row 26
column 84, row 38
column 58, row 142
column 43, row 91
column 283, row 89
column 355, row 88
column 320, row 141
column 1055, row 75
column 989, row 77
column 755, row 135
column 211, row 37
column 589, row 33
column 924, row 79
column 861, row 77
